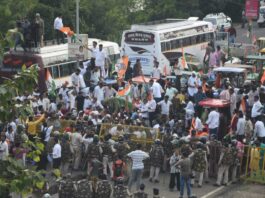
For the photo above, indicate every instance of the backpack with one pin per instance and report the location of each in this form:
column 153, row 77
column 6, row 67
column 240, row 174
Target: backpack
column 118, row 168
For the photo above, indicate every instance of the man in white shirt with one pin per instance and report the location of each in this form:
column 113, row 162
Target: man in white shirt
column 165, row 107
column 3, row 148
column 156, row 73
column 99, row 92
column 259, row 130
column 87, row 102
column 213, row 122
column 100, row 60
column 198, row 123
column 156, row 90
column 94, row 50
column 192, row 85
column 56, row 154
column 58, row 24
column 109, row 92
column 151, row 111
column 76, row 79
column 257, row 108
column 240, row 129
column 137, row 157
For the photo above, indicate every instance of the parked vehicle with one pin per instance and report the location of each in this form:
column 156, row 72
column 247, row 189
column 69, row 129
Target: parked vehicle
column 166, row 40
column 218, row 19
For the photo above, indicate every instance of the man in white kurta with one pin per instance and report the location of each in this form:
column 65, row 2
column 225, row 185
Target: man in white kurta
column 192, row 85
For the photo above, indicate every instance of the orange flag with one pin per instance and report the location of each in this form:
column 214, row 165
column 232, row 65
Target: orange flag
column 121, row 72
column 263, row 77
column 183, row 58
column 243, row 105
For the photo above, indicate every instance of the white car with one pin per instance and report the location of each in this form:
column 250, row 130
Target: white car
column 218, row 20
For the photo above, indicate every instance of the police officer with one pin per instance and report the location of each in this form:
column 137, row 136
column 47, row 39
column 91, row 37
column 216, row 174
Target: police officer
column 84, row 189
column 225, row 161
column 93, row 154
column 121, row 191
column 66, row 187
column 236, row 162
column 156, row 158
column 122, row 148
column 107, row 153
column 103, row 188
column 168, row 148
column 199, row 165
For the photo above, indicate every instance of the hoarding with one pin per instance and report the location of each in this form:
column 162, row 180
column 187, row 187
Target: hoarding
column 252, row 9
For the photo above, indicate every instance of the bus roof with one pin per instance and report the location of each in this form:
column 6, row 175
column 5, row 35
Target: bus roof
column 168, row 24
column 229, row 69
column 238, row 66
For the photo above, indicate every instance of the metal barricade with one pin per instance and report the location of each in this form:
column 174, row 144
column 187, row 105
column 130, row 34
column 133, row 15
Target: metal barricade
column 253, row 164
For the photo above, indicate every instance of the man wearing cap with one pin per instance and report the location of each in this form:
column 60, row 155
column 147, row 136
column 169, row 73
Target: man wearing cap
column 192, row 84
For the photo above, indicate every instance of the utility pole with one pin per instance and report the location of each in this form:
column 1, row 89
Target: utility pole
column 77, row 18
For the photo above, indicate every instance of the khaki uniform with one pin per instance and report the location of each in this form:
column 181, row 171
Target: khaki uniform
column 226, row 160
column 156, row 159
column 199, row 164
column 107, row 158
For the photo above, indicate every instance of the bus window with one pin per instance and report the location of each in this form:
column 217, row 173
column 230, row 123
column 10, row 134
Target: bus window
column 168, row 46
column 163, row 46
column 67, row 69
column 193, row 40
column 54, row 71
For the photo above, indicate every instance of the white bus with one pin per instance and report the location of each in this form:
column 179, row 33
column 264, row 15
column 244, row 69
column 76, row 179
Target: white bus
column 58, row 61
column 165, row 40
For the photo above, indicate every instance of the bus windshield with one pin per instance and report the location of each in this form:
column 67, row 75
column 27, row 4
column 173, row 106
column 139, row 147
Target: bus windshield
column 213, row 21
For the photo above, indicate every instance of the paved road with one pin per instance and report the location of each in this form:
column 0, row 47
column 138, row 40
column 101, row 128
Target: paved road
column 247, row 190
column 242, row 33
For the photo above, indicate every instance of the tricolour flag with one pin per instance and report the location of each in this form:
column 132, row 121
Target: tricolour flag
column 125, row 91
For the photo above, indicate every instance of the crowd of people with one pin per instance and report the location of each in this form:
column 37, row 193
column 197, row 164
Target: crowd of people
column 195, row 142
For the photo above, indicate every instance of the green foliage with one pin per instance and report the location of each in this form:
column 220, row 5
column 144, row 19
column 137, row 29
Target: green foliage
column 107, row 19
column 14, row 177
column 24, row 80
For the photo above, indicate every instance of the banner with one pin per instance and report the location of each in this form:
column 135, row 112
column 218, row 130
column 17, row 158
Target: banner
column 252, row 9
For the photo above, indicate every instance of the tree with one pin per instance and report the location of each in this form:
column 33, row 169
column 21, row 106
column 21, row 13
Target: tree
column 14, row 177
